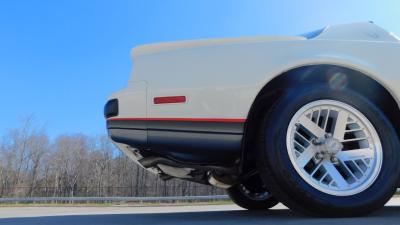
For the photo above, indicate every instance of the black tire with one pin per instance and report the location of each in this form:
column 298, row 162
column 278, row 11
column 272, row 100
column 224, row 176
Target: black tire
column 287, row 185
column 252, row 195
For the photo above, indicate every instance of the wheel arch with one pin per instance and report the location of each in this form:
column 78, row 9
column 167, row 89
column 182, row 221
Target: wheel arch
column 334, row 75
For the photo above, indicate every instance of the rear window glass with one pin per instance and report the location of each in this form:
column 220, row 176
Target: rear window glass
column 312, row 34
column 395, row 36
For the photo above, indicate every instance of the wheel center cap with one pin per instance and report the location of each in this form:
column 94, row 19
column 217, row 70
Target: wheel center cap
column 328, row 146
column 333, row 146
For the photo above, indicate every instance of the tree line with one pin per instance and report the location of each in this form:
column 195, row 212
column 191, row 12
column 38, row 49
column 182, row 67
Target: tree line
column 33, row 165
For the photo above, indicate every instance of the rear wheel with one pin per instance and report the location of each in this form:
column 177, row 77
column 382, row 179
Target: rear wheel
column 328, row 152
column 252, row 195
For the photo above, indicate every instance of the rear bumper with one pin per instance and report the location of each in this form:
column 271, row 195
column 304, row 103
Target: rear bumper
column 196, row 141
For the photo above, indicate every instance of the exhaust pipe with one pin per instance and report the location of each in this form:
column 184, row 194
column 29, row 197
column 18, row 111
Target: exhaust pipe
column 214, row 182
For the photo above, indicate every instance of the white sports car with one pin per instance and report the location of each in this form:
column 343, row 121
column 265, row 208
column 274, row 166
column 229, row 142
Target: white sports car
column 311, row 121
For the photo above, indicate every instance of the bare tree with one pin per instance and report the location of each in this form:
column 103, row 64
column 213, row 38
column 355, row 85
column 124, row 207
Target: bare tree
column 71, row 152
column 39, row 145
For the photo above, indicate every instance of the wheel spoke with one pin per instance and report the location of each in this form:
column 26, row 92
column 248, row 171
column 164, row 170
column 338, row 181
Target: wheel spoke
column 355, row 154
column 340, row 125
column 311, row 127
column 306, row 156
column 335, row 175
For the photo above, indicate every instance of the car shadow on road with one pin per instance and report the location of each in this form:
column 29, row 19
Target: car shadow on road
column 388, row 216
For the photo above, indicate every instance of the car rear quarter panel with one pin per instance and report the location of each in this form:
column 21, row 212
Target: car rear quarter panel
column 222, row 81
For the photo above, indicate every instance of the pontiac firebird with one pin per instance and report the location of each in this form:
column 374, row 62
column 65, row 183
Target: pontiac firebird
column 311, row 121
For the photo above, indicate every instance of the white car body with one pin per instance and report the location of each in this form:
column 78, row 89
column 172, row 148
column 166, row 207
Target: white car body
column 220, row 80
column 270, row 118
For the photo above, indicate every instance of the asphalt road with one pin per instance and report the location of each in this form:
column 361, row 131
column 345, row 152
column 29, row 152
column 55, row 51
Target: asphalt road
column 185, row 215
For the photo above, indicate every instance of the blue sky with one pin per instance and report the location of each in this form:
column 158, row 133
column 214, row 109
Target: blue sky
column 59, row 60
